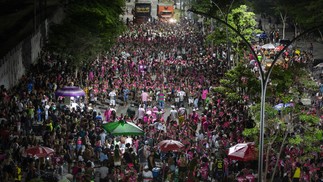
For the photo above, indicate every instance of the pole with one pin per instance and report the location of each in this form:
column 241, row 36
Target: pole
column 262, row 128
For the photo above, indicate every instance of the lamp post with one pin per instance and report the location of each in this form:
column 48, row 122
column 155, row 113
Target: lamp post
column 264, row 79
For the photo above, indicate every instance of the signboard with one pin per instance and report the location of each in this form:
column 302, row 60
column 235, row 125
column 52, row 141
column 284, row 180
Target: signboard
column 143, row 9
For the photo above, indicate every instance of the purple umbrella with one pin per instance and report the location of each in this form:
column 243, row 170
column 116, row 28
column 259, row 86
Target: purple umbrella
column 70, row 91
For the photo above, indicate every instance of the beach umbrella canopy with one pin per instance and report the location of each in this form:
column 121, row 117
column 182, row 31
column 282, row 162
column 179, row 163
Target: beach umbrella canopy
column 268, row 46
column 70, row 91
column 243, row 152
column 39, row 151
column 123, row 128
column 170, row 145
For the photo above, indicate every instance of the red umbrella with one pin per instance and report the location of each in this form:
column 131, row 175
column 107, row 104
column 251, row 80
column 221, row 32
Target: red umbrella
column 243, row 152
column 39, row 151
column 279, row 48
column 170, row 145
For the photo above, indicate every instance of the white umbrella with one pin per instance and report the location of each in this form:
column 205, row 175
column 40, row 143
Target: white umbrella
column 319, row 65
column 268, row 46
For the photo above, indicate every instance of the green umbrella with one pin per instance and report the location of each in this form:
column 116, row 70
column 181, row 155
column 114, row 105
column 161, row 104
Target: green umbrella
column 123, row 128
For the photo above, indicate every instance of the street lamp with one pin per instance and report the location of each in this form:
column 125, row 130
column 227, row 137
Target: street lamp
column 264, row 79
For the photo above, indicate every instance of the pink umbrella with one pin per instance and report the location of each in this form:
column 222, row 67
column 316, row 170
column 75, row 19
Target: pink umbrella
column 170, row 145
column 243, row 152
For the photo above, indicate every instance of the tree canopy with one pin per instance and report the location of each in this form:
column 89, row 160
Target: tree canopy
column 89, row 28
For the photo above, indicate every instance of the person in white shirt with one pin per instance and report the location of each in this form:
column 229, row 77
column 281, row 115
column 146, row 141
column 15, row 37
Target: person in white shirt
column 103, row 135
column 174, row 114
column 181, row 94
column 104, row 171
column 112, row 95
column 147, row 174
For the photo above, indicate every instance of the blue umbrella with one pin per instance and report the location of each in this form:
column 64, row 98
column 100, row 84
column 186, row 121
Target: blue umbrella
column 279, row 106
column 262, row 36
column 282, row 105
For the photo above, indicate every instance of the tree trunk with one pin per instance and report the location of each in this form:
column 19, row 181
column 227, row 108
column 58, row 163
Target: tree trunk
column 278, row 155
column 283, row 18
column 76, row 72
column 320, row 34
column 267, row 158
column 295, row 30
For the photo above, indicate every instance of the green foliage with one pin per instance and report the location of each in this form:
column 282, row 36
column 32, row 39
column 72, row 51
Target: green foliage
column 250, row 132
column 270, row 112
column 309, row 119
column 234, row 88
column 89, row 28
column 313, row 14
column 244, row 21
column 233, row 97
column 219, row 89
column 318, row 134
column 296, row 140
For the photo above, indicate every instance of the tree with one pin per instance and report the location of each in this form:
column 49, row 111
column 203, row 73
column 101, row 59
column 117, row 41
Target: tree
column 290, row 126
column 244, row 21
column 89, row 28
column 308, row 14
column 238, row 84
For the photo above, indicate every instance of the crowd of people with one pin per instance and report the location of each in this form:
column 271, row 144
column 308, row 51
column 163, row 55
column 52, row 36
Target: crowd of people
column 155, row 67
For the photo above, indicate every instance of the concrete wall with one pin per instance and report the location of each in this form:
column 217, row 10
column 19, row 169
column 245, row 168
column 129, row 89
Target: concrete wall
column 15, row 63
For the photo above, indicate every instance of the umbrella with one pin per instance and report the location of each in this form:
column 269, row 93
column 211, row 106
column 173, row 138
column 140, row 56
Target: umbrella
column 243, row 152
column 319, row 65
column 279, row 48
column 170, row 145
column 262, row 35
column 268, row 46
column 279, row 106
column 282, row 105
column 39, row 151
column 70, row 91
column 123, row 128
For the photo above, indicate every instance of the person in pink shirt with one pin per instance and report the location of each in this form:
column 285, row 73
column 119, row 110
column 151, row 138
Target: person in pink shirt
column 204, row 95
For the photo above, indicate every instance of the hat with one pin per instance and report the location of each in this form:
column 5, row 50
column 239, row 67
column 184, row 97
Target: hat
column 146, row 167
column 172, row 106
column 194, row 110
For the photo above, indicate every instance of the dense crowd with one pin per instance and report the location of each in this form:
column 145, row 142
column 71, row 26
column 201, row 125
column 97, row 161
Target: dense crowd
column 153, row 67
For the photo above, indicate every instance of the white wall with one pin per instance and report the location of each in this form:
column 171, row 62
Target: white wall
column 13, row 64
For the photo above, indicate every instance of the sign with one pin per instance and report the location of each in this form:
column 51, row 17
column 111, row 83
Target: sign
column 142, row 9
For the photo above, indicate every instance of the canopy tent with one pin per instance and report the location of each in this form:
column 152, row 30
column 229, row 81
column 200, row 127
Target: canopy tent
column 123, row 128
column 70, row 91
